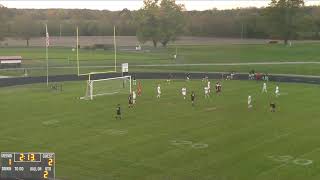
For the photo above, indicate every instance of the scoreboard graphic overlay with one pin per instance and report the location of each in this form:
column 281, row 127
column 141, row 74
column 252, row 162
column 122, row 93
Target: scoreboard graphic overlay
column 27, row 166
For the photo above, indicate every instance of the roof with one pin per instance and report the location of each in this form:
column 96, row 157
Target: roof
column 10, row 58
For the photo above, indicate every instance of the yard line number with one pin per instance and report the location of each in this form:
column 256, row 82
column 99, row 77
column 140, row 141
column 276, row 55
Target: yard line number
column 291, row 159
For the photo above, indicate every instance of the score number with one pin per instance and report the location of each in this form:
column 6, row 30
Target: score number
column 46, row 173
column 50, row 164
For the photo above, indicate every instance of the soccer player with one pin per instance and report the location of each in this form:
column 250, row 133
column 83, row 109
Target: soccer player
column 209, row 86
column 218, row 87
column 249, row 102
column 134, row 81
column 139, row 89
column 134, row 97
column 193, row 96
column 118, row 112
column 206, row 92
column 188, row 76
column 264, row 88
column 272, row 107
column 130, row 101
column 277, row 91
column 184, row 92
column 169, row 79
column 158, row 91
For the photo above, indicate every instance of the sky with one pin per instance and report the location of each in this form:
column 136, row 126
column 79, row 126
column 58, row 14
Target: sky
column 114, row 5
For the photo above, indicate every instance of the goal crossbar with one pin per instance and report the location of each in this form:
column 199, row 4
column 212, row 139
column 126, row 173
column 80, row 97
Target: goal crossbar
column 122, row 77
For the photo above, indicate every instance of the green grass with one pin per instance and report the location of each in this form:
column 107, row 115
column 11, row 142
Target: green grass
column 305, row 52
column 240, row 141
column 250, row 53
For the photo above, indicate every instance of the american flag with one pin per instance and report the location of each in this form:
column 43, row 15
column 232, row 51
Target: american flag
column 47, row 37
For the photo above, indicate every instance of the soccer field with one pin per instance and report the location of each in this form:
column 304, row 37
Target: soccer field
column 167, row 138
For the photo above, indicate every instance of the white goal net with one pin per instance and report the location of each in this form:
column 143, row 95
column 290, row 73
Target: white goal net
column 101, row 87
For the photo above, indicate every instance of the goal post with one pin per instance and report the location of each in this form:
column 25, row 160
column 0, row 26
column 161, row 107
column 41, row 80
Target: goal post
column 108, row 86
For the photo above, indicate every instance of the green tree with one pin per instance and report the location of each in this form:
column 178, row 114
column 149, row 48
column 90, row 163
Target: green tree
column 283, row 15
column 25, row 27
column 172, row 21
column 315, row 18
column 3, row 20
column 148, row 22
column 160, row 22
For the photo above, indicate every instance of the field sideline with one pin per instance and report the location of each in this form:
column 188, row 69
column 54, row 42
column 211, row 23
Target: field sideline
column 167, row 138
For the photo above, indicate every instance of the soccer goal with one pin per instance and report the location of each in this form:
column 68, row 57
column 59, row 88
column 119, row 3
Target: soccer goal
column 109, row 86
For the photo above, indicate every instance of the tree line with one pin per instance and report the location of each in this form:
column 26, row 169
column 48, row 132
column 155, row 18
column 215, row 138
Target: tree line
column 162, row 21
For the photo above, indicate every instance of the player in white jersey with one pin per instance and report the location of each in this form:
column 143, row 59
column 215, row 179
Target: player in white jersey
column 158, row 91
column 249, row 102
column 264, row 88
column 206, row 92
column 277, row 91
column 184, row 92
column 134, row 97
column 209, row 86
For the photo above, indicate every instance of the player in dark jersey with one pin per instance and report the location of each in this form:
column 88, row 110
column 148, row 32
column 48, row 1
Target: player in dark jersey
column 118, row 112
column 218, row 87
column 130, row 100
column 272, row 107
column 193, row 96
column 188, row 76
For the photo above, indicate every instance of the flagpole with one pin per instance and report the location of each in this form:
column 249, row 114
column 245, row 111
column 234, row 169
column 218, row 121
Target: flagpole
column 47, row 57
column 78, row 50
column 115, row 48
